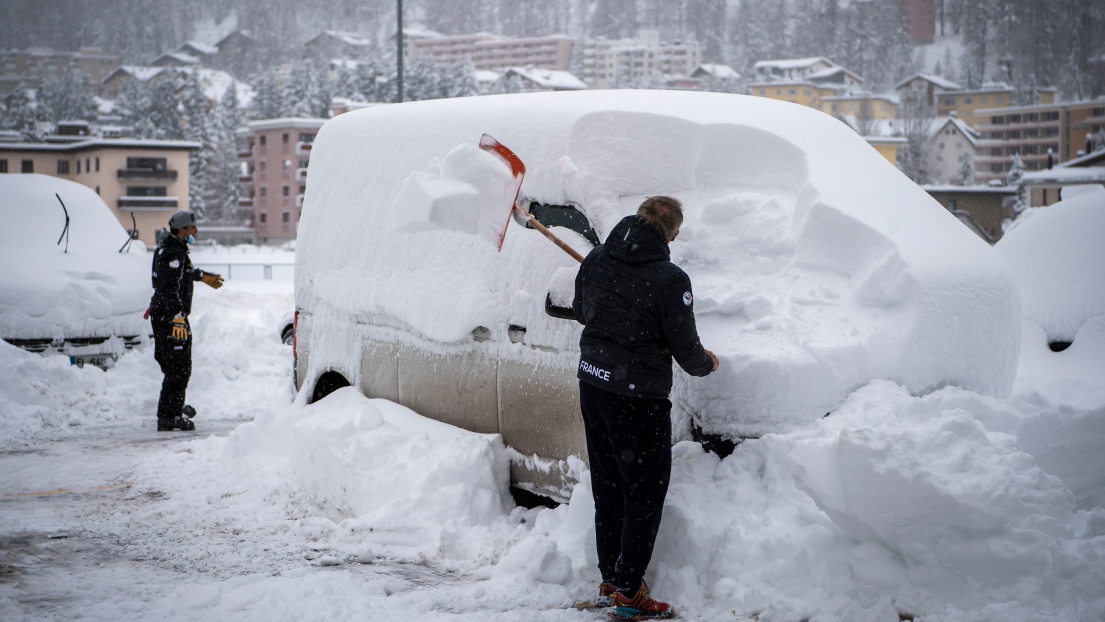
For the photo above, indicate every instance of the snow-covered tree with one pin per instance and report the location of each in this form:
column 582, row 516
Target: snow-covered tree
column 915, row 121
column 966, row 175
column 1015, row 179
column 20, row 116
column 268, row 101
column 197, row 129
column 67, row 97
column 507, row 83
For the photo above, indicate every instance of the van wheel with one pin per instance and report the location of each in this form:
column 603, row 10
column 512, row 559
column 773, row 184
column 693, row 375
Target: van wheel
column 328, row 383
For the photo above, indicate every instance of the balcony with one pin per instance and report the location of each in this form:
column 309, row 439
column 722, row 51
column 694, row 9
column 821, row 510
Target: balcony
column 147, row 174
column 246, row 180
column 299, row 201
column 245, row 202
column 245, row 155
column 301, row 175
column 303, row 149
column 147, row 203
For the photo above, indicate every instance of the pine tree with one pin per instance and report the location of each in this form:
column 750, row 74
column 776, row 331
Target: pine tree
column 966, row 175
column 163, row 116
column 268, row 101
column 65, row 98
column 507, row 83
column 463, row 82
column 197, row 129
column 1015, row 179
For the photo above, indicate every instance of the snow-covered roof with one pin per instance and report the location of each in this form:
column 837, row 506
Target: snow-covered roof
column 486, row 75
column 198, row 46
column 138, row 72
column 549, row 78
column 109, row 143
column 1089, row 159
column 937, row 81
column 832, row 71
column 972, row 189
column 1078, row 175
column 215, row 82
column 180, row 57
column 791, row 63
column 418, row 31
column 939, row 123
column 284, row 122
column 348, row 38
column 721, row 72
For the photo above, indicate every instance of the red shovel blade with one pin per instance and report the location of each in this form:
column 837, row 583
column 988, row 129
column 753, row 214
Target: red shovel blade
column 517, row 168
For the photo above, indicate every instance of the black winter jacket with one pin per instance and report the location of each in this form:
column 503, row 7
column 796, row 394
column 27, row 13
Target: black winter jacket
column 637, row 310
column 173, row 276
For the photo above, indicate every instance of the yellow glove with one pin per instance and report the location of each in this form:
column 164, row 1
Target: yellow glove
column 180, row 328
column 212, row 280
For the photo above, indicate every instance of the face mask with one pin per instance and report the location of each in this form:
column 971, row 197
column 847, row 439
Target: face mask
column 191, row 240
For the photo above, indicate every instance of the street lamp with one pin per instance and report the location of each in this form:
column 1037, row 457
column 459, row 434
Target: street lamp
column 399, row 52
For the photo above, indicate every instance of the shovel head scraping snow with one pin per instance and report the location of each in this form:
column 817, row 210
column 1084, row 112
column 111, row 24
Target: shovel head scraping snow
column 517, row 169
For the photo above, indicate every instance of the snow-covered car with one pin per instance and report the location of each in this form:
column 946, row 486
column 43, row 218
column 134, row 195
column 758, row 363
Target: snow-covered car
column 817, row 266
column 71, row 283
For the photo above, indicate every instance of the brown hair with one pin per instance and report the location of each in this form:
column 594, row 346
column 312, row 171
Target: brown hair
column 664, row 213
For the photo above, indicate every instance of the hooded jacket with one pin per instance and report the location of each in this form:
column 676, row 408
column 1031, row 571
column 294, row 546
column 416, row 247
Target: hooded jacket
column 637, row 309
column 173, row 277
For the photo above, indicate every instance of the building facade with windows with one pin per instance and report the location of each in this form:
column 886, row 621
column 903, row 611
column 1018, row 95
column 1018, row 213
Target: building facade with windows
column 494, row 52
column 143, row 180
column 609, row 62
column 27, row 66
column 275, row 154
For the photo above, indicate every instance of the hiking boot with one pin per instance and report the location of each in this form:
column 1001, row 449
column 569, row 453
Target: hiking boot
column 178, row 423
column 640, row 606
column 606, row 593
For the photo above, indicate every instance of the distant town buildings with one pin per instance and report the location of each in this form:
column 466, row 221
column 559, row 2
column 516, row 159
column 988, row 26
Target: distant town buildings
column 143, row 179
column 26, row 66
column 621, row 61
column 493, row 52
column 536, row 80
column 275, row 154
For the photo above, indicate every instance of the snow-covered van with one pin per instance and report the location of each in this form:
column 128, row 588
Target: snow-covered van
column 72, row 280
column 817, row 266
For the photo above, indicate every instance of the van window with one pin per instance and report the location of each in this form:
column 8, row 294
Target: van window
column 567, row 216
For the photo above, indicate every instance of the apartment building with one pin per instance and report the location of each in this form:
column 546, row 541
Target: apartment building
column 924, row 87
column 275, row 155
column 26, row 66
column 1063, row 131
column 494, row 52
column 860, row 106
column 607, row 62
column 805, row 81
column 143, row 180
column 951, row 151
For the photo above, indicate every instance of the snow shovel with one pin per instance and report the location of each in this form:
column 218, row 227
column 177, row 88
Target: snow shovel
column 518, row 169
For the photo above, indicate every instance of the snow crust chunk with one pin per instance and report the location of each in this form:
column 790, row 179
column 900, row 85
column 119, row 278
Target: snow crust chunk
column 817, row 265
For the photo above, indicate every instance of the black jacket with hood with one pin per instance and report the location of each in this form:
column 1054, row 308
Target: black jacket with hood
column 173, row 277
column 638, row 312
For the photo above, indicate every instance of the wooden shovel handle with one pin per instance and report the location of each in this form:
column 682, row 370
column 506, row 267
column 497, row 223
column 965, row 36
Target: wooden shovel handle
column 549, row 234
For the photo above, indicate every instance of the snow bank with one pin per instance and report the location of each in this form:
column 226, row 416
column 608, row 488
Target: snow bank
column 398, row 477
column 238, row 366
column 817, row 266
column 1057, row 256
column 93, row 290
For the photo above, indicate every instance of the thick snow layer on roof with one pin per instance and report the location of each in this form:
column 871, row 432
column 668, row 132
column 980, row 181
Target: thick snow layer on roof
column 549, row 78
column 817, row 265
column 791, row 63
column 216, row 82
column 93, row 290
column 1058, row 257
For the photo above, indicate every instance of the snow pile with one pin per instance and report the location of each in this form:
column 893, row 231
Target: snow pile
column 396, row 479
column 237, row 361
column 1057, row 256
column 471, row 191
column 92, row 290
column 817, row 266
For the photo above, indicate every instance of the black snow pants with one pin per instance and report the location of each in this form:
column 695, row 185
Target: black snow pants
column 175, row 359
column 629, row 447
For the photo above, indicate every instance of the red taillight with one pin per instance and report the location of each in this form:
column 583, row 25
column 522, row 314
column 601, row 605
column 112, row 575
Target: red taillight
column 295, row 334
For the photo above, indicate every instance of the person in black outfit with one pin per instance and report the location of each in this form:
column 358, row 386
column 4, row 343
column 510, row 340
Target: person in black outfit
column 637, row 310
column 173, row 276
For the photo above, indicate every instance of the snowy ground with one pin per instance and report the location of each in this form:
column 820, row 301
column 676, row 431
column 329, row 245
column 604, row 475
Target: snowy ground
column 958, row 505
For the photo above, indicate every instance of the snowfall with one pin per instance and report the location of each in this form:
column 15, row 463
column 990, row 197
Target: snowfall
column 982, row 499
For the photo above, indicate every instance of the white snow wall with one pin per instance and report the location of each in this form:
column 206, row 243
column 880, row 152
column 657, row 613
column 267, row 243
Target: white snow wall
column 817, row 266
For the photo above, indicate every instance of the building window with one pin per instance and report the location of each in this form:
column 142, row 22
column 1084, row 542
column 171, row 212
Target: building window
column 97, row 164
column 263, row 163
column 87, row 165
column 306, row 138
column 949, row 101
column 287, row 217
column 28, row 166
column 147, row 191
column 968, row 100
column 264, row 192
column 261, row 140
column 791, row 91
column 158, row 165
column 999, row 120
column 263, row 216
column 805, row 91
column 78, row 166
column 1050, row 116
column 982, row 100
column 287, row 190
column 940, row 145
column 63, row 167
column 3, row 166
column 97, row 190
column 284, row 138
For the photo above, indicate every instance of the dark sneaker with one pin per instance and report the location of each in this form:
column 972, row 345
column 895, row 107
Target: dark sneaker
column 188, row 411
column 178, row 423
column 640, row 607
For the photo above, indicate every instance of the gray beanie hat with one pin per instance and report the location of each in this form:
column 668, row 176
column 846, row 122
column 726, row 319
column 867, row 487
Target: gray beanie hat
column 180, row 220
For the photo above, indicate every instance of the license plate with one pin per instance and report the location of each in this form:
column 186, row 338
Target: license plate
column 103, row 361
